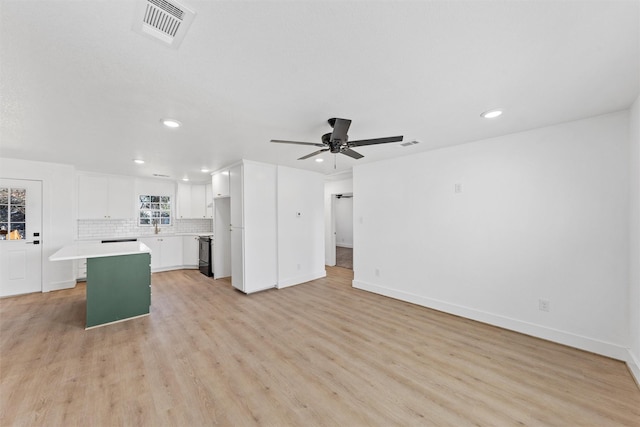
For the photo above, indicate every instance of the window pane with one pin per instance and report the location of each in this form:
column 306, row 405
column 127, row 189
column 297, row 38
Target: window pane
column 154, row 209
column 17, row 231
column 4, row 196
column 18, row 196
column 17, row 214
column 4, row 213
column 4, row 230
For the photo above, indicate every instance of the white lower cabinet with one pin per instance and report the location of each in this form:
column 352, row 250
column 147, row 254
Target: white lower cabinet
column 166, row 252
column 190, row 251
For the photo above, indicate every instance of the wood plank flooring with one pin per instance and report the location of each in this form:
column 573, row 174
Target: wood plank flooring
column 317, row 354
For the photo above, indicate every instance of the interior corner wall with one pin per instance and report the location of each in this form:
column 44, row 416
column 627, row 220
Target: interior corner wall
column 330, row 188
column 634, row 215
column 300, row 226
column 58, row 214
column 486, row 230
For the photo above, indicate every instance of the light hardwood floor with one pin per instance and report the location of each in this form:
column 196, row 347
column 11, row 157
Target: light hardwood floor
column 320, row 353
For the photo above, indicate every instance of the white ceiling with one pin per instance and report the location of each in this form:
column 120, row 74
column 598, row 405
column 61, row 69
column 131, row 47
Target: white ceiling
column 79, row 86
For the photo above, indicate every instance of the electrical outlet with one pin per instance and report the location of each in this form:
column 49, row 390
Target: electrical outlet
column 377, row 273
column 544, row 305
column 457, row 188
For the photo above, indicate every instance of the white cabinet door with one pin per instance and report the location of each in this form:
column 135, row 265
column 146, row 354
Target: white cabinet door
column 184, row 201
column 208, row 201
column 171, row 253
column 236, row 194
column 120, row 198
column 220, row 184
column 237, row 259
column 105, row 197
column 198, row 203
column 92, row 197
column 190, row 251
column 260, row 226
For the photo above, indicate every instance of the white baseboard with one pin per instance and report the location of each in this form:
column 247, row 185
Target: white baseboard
column 344, row 245
column 634, row 366
column 284, row 283
column 561, row 337
column 56, row 286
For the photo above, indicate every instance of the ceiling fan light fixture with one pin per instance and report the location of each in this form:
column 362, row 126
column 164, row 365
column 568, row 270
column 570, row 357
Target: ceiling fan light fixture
column 492, row 114
column 171, row 123
column 319, row 160
column 138, row 161
column 204, row 170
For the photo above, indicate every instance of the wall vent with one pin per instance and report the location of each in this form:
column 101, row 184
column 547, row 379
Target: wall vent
column 409, row 143
column 166, row 21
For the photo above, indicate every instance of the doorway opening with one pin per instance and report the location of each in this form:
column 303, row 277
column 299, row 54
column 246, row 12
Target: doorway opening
column 343, row 230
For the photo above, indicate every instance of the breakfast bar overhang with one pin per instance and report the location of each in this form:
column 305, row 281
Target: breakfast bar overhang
column 118, row 279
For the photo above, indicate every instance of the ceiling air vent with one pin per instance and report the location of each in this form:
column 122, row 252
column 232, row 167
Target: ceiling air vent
column 167, row 21
column 409, row 143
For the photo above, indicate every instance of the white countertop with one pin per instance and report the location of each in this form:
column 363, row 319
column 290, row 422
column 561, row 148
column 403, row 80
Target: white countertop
column 81, row 250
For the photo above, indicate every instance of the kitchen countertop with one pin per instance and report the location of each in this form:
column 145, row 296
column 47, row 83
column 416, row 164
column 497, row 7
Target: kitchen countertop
column 143, row 236
column 81, row 250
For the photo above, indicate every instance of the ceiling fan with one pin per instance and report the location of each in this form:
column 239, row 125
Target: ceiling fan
column 338, row 141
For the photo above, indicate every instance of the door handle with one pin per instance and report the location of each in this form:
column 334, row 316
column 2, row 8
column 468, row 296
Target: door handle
column 35, row 242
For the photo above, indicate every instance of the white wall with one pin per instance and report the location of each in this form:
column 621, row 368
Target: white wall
column 300, row 237
column 330, row 188
column 634, row 271
column 542, row 214
column 58, row 214
column 344, row 222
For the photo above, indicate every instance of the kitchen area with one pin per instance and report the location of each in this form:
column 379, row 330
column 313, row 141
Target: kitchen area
column 168, row 217
column 127, row 229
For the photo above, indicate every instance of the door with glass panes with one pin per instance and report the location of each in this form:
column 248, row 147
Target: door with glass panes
column 20, row 236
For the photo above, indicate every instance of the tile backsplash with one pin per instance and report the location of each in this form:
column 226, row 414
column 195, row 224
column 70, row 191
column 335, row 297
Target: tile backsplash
column 111, row 228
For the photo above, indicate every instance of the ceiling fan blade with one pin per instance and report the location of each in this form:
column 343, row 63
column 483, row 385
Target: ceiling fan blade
column 353, row 154
column 313, row 154
column 340, row 129
column 279, row 141
column 374, row 141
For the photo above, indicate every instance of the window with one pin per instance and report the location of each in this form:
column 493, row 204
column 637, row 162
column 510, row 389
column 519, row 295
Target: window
column 12, row 213
column 155, row 210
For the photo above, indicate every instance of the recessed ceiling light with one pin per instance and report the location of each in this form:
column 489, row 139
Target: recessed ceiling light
column 185, row 179
column 319, row 160
column 204, row 170
column 491, row 114
column 139, row 161
column 171, row 123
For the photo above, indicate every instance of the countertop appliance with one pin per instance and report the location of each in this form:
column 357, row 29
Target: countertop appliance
column 205, row 263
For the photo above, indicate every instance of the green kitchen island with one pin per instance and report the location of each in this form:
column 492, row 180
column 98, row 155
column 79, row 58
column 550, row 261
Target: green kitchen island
column 118, row 279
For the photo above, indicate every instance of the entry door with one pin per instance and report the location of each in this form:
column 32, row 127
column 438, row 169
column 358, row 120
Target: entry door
column 20, row 236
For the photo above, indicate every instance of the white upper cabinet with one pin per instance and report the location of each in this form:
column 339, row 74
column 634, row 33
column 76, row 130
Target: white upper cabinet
column 220, row 184
column 183, row 207
column 198, row 201
column 105, row 197
column 192, row 201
